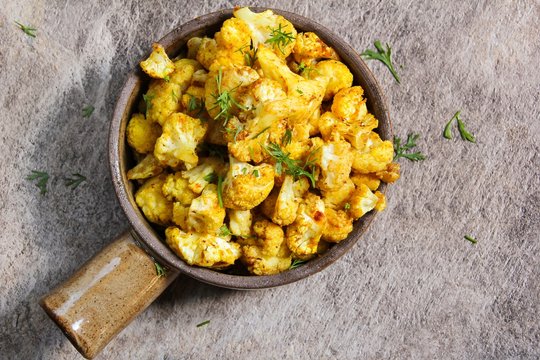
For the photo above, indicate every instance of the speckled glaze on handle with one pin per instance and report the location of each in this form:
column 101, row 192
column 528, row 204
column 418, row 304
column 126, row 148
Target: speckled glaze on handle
column 106, row 294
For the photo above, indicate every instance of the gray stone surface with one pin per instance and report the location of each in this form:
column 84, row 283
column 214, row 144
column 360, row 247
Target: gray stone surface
column 411, row 288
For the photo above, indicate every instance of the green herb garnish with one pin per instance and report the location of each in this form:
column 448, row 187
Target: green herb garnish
column 384, row 56
column 287, row 137
column 30, row 31
column 210, row 177
column 173, row 95
column 224, row 100
column 465, row 135
column 400, row 150
column 42, row 178
column 148, row 101
column 280, row 38
column 347, row 206
column 471, row 239
column 166, row 78
column 293, row 167
column 296, row 263
column 160, row 270
column 203, row 323
column 261, row 132
column 256, row 173
column 250, row 56
column 299, row 91
column 87, row 111
column 74, row 181
column 224, row 231
column 220, row 190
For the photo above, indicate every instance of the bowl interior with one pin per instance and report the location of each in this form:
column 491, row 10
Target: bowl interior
column 121, row 161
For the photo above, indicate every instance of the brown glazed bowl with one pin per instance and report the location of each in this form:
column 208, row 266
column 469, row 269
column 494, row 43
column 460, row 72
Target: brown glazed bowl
column 121, row 281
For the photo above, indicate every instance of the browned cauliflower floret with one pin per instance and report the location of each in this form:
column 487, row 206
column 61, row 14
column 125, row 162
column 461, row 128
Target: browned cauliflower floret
column 370, row 180
column 233, row 35
column 193, row 102
column 337, row 198
column 309, row 47
column 338, row 225
column 205, row 215
column 353, row 131
column 334, row 159
column 282, row 209
column 267, row 27
column 259, row 92
column 204, row 173
column 206, row 52
column 334, row 74
column 349, row 104
column 381, row 204
column 148, row 167
column 177, row 144
column 240, row 222
column 152, row 202
column 362, row 201
column 304, row 233
column 179, row 215
column 164, row 97
column 142, row 134
column 267, row 253
column 193, row 46
column 158, row 65
column 374, row 155
column 207, row 250
column 390, row 174
column 245, row 185
column 176, row 188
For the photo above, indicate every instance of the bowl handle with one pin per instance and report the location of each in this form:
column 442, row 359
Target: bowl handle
column 107, row 292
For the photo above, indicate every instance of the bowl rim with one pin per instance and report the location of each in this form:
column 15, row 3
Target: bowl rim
column 143, row 231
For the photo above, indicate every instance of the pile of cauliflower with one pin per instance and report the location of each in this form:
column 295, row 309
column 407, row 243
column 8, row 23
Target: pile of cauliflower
column 255, row 147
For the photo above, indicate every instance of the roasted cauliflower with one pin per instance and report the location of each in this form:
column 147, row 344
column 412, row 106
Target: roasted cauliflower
column 205, row 214
column 142, row 134
column 158, row 65
column 304, row 233
column 154, row 205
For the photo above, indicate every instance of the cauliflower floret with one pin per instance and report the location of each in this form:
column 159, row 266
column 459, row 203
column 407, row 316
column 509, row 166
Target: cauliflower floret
column 259, row 92
column 354, row 132
column 152, row 202
column 142, row 134
column 240, row 222
column 362, row 201
column 334, row 159
column 268, row 253
column 164, row 97
column 222, row 87
column 158, row 65
column 390, row 174
column 264, row 26
column 370, row 180
column 338, row 225
column 181, row 135
column 193, row 46
column 381, row 204
column 349, row 104
column 245, row 185
column 233, row 35
column 206, row 250
column 309, row 47
column 179, row 215
column 304, row 233
column 207, row 52
column 148, row 167
column 336, row 76
column 374, row 155
column 176, row 188
column 335, row 199
column 193, row 102
column 282, row 209
column 201, row 175
column 205, row 215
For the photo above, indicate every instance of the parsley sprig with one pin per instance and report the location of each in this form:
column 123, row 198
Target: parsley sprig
column 28, row 30
column 292, row 167
column 465, row 135
column 384, row 56
column 224, row 100
column 74, row 181
column 297, row 263
column 400, row 150
column 280, row 38
column 42, row 178
column 160, row 270
column 87, row 111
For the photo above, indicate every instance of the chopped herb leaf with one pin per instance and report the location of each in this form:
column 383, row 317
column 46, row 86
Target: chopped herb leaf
column 166, row 78
column 287, row 137
column 256, row 173
column 400, row 150
column 347, row 206
column 160, row 270
column 87, row 111
column 297, row 263
column 249, row 52
column 74, row 181
column 224, row 100
column 220, row 190
column 244, row 171
column 471, row 239
column 384, row 56
column 173, row 95
column 203, row 323
column 224, row 231
column 261, row 132
column 42, row 178
column 280, row 38
column 30, row 31
column 448, row 128
column 465, row 135
column 210, row 177
column 293, row 167
column 148, row 101
column 299, row 91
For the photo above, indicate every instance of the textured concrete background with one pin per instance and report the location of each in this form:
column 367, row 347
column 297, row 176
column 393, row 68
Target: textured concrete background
column 411, row 288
